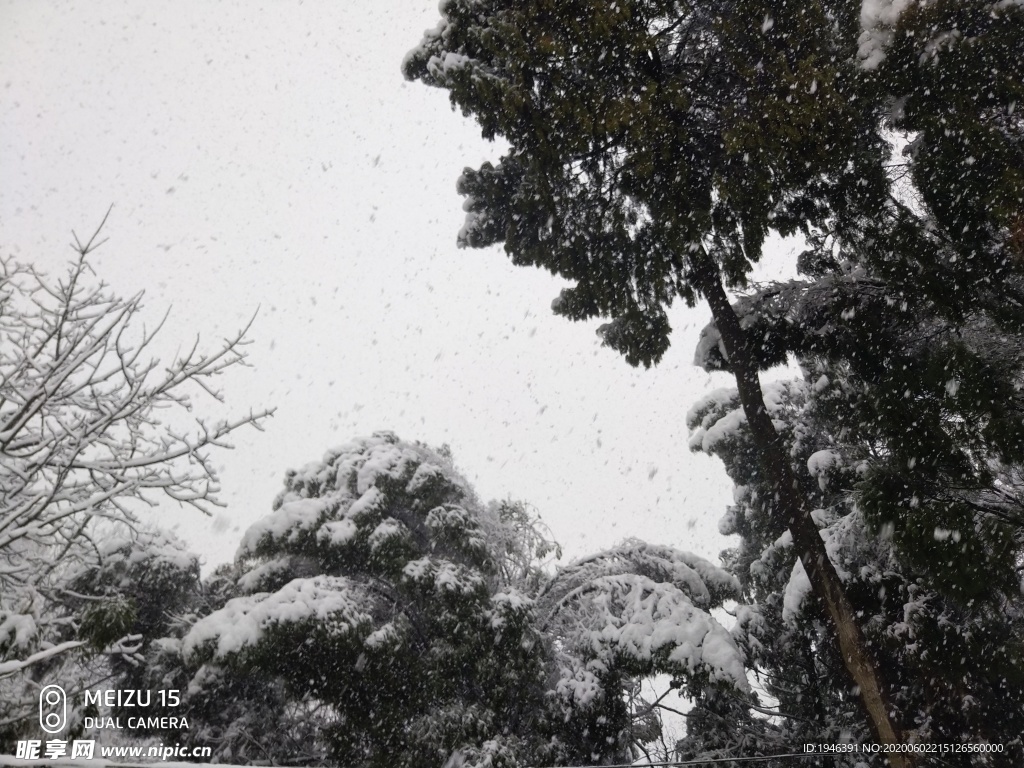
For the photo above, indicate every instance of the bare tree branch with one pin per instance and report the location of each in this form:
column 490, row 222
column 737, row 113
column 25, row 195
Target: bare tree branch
column 93, row 427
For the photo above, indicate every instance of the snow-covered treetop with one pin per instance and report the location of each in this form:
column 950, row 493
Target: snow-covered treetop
column 375, row 504
column 382, row 588
column 121, row 554
column 643, row 609
column 705, row 584
column 878, row 20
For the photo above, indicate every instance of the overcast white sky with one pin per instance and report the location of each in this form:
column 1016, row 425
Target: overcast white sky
column 270, row 156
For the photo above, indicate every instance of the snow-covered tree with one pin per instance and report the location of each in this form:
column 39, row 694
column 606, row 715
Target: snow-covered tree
column 382, row 615
column 626, row 615
column 88, row 439
column 653, row 145
column 949, row 637
column 907, row 431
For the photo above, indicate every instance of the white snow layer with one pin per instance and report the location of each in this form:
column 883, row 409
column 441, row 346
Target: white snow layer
column 444, row 575
column 17, row 629
column 156, row 548
column 284, row 524
column 634, row 617
column 713, row 418
column 726, row 428
column 580, row 683
column 797, row 589
column 330, row 600
column 442, row 67
column 718, row 417
column 710, row 352
column 320, row 497
column 703, row 582
column 337, row 531
column 877, row 20
column 251, row 581
column 697, row 577
column 821, row 463
column 386, row 531
column 509, row 605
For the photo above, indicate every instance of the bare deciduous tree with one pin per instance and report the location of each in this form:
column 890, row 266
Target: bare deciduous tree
column 93, row 428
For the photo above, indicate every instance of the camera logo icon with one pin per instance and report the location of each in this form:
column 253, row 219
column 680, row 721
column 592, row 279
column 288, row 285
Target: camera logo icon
column 53, row 709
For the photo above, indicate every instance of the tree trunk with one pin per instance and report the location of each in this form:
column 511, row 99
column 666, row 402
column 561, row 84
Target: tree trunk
column 789, row 505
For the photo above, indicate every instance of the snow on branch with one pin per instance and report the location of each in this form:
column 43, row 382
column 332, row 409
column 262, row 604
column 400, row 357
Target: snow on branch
column 644, row 607
column 92, row 428
column 10, row 667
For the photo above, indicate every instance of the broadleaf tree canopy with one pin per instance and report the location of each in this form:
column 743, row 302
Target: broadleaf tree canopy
column 654, row 145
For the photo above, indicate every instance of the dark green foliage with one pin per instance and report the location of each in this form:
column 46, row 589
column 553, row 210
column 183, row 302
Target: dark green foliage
column 958, row 70
column 105, row 622
column 638, row 134
column 643, row 134
column 942, row 612
column 382, row 616
column 936, row 407
column 136, row 594
column 141, row 582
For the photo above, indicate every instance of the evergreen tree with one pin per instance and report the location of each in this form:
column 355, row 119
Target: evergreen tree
column 369, row 616
column 383, row 616
column 652, row 147
column 911, row 419
column 957, row 656
column 641, row 169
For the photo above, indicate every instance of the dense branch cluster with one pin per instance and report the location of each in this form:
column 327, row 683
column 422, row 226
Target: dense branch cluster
column 93, row 430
